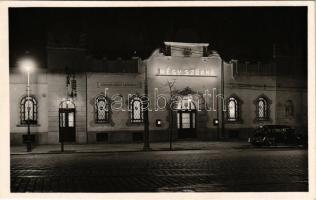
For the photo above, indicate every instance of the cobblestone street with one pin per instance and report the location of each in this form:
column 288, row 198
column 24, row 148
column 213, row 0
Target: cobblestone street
column 222, row 170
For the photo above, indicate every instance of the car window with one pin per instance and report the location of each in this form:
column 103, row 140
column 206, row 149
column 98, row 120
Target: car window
column 259, row 132
column 278, row 131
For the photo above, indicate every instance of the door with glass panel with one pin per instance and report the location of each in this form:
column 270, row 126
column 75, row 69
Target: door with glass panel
column 186, row 124
column 67, row 125
column 186, row 118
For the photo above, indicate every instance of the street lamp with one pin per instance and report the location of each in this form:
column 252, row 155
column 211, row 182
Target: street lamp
column 28, row 64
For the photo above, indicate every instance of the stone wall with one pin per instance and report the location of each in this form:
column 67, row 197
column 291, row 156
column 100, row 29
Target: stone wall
column 278, row 89
column 197, row 84
column 49, row 88
column 117, row 87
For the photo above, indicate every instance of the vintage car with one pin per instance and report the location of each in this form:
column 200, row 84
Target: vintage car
column 273, row 135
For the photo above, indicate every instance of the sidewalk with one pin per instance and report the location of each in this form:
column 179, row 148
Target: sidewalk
column 131, row 147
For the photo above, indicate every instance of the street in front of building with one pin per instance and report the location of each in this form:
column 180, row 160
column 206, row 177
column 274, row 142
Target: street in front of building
column 223, row 168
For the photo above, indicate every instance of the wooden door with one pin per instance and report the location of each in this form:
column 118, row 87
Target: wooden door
column 186, row 124
column 67, row 125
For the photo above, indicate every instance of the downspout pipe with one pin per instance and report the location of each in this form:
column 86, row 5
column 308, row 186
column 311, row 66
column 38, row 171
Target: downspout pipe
column 222, row 102
column 87, row 135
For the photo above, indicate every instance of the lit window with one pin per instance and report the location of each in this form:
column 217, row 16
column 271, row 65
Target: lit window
column 185, row 103
column 233, row 109
column 136, row 107
column 102, row 109
column 262, row 111
column 28, row 112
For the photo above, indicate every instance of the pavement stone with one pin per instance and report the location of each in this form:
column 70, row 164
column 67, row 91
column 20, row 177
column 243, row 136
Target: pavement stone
column 219, row 170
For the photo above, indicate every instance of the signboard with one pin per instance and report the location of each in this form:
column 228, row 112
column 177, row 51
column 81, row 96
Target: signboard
column 185, row 72
column 119, row 84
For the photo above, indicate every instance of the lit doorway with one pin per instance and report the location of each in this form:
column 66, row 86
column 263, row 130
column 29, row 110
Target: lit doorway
column 67, row 121
column 186, row 118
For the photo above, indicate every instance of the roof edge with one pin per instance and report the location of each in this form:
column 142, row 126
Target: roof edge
column 186, row 44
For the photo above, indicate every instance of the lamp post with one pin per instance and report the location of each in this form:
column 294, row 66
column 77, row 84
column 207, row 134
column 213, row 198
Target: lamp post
column 28, row 65
column 146, row 117
column 28, row 142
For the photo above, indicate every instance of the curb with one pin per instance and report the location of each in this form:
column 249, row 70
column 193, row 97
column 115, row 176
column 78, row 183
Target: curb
column 119, row 151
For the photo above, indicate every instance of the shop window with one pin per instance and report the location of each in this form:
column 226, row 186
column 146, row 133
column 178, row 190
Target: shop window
column 28, row 110
column 262, row 108
column 102, row 109
column 136, row 110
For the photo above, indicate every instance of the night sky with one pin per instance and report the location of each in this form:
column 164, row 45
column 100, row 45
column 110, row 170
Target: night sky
column 236, row 33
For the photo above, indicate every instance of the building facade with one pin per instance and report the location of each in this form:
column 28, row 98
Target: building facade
column 190, row 89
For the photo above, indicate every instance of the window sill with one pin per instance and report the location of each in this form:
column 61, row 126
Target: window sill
column 25, row 125
column 239, row 121
column 262, row 120
column 129, row 123
column 136, row 122
column 105, row 122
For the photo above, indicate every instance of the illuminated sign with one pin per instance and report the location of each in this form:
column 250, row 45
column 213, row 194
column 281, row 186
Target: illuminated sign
column 119, row 84
column 185, row 72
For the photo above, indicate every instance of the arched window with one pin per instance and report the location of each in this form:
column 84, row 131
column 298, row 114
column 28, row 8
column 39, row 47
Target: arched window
column 136, row 108
column 186, row 113
column 28, row 110
column 289, row 108
column 185, row 103
column 262, row 109
column 232, row 113
column 101, row 109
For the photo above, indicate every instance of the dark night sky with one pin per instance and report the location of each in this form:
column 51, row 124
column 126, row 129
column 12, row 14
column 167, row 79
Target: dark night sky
column 242, row 33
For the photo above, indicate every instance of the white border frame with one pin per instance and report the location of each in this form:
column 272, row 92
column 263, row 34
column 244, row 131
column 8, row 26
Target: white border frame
column 4, row 102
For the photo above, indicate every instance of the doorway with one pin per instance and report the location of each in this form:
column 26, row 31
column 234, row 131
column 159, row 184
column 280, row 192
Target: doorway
column 186, row 118
column 67, row 122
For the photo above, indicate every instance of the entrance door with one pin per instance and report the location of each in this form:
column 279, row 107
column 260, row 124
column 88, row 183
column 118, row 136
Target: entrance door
column 186, row 124
column 186, row 118
column 67, row 124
